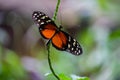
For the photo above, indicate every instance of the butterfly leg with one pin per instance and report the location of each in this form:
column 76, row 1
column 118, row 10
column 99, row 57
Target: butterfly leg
column 60, row 27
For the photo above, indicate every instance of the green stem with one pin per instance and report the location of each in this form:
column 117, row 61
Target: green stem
column 49, row 61
column 56, row 11
column 48, row 44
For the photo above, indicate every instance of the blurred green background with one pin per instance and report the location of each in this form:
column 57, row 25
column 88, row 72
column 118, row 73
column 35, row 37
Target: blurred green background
column 94, row 23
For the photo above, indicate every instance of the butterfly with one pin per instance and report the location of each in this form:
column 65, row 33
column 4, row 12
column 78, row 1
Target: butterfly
column 59, row 39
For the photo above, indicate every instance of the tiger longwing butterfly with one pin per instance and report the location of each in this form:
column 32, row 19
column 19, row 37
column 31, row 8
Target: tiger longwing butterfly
column 60, row 39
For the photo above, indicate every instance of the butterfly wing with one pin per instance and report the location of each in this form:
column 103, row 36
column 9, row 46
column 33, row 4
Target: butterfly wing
column 63, row 41
column 47, row 27
column 59, row 41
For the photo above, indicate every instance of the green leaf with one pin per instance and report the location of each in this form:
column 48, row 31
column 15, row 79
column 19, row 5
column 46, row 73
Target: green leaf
column 49, row 76
column 61, row 76
column 64, row 77
column 83, row 78
column 74, row 77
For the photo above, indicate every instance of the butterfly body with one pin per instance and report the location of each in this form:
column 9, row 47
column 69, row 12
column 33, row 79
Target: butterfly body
column 60, row 39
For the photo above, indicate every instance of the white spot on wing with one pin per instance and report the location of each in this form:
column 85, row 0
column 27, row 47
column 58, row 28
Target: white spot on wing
column 38, row 16
column 74, row 43
column 72, row 49
column 75, row 51
column 42, row 23
column 35, row 14
column 74, row 40
column 43, row 17
column 79, row 51
column 46, row 16
column 76, row 48
column 38, row 20
column 68, row 45
column 69, row 38
column 35, row 18
column 48, row 21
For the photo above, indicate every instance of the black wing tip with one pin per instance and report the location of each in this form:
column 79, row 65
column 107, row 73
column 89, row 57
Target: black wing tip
column 34, row 12
column 37, row 12
column 81, row 52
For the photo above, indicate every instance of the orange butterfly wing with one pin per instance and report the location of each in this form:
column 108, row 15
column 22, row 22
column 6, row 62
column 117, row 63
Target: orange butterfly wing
column 59, row 40
column 63, row 41
column 48, row 31
column 47, row 27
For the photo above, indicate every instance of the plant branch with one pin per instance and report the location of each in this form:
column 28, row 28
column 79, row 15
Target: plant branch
column 56, row 11
column 49, row 61
column 48, row 44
